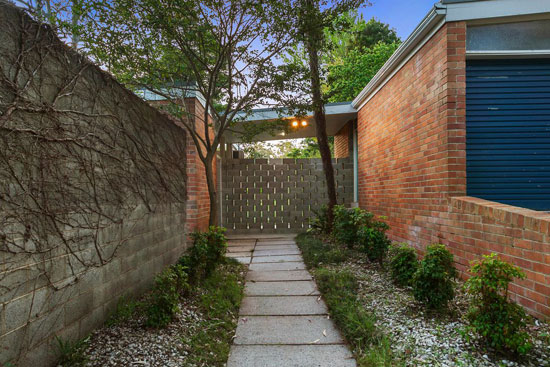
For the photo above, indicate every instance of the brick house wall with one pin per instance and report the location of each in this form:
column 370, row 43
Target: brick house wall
column 343, row 141
column 412, row 169
column 198, row 200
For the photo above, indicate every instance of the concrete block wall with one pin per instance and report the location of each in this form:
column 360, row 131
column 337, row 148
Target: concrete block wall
column 65, row 283
column 279, row 195
column 412, row 169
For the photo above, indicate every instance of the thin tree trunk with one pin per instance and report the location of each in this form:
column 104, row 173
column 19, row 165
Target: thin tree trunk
column 212, row 191
column 312, row 45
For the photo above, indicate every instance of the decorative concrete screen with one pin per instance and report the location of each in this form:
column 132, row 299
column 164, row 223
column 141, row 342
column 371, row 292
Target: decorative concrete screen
column 279, row 195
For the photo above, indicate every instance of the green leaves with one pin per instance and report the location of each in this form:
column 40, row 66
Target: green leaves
column 403, row 264
column 347, row 78
column 492, row 316
column 433, row 281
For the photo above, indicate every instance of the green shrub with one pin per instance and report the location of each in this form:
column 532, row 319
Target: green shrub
column 433, row 281
column 373, row 241
column 403, row 264
column 170, row 286
column 348, row 224
column 207, row 252
column 71, row 353
column 492, row 316
column 319, row 224
column 316, row 252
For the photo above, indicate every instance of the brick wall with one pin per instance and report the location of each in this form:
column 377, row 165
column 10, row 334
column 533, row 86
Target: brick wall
column 112, row 228
column 343, row 141
column 198, row 199
column 412, row 168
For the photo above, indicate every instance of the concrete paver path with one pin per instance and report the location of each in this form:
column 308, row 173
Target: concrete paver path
column 283, row 321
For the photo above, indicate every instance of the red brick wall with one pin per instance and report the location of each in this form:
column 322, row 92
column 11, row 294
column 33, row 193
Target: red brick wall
column 412, row 169
column 198, row 200
column 342, row 141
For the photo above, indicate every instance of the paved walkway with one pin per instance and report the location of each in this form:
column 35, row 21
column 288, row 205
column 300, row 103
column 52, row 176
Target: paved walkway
column 283, row 321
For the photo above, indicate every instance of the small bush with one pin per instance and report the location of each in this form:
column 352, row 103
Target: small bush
column 207, row 252
column 348, row 224
column 433, row 281
column 319, row 224
column 71, row 354
column 403, row 264
column 373, row 240
column 492, row 316
column 170, row 286
column 317, row 252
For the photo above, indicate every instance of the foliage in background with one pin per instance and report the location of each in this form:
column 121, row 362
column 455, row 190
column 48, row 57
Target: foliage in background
column 319, row 223
column 349, row 76
column 499, row 322
column 170, row 286
column 403, row 264
column 347, row 223
column 433, row 281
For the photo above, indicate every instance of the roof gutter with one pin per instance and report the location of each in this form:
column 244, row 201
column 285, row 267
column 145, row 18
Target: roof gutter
column 422, row 33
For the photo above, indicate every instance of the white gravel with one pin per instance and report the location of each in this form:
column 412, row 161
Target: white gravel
column 131, row 344
column 423, row 339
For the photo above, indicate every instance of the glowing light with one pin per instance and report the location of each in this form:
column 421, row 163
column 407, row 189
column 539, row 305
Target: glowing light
column 294, row 123
column 304, row 123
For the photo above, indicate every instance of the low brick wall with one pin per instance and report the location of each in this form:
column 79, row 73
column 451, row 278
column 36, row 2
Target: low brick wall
column 476, row 227
column 279, row 195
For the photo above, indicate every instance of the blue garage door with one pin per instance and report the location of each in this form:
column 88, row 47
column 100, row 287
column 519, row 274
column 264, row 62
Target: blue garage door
column 508, row 131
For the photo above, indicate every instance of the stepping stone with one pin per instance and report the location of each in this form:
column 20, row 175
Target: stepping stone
column 276, row 259
column 275, row 243
column 233, row 243
column 283, row 306
column 277, row 266
column 286, row 330
column 238, row 254
column 295, row 251
column 297, row 288
column 243, row 260
column 277, row 276
column 240, row 248
column 290, row 356
column 277, row 247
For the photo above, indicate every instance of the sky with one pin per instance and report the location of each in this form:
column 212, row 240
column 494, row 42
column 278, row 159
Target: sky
column 402, row 15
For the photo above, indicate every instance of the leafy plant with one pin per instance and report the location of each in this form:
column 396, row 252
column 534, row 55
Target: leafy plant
column 71, row 353
column 433, row 281
column 492, row 316
column 317, row 252
column 207, row 252
column 347, row 223
column 373, row 240
column 319, row 224
column 403, row 264
column 170, row 286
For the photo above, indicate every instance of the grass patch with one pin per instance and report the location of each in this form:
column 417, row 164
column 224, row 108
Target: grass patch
column 317, row 252
column 219, row 299
column 339, row 289
column 71, row 354
column 125, row 310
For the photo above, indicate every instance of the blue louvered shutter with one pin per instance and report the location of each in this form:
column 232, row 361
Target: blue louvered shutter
column 508, row 131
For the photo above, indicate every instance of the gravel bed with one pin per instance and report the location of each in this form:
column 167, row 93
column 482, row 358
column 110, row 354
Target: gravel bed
column 423, row 339
column 132, row 344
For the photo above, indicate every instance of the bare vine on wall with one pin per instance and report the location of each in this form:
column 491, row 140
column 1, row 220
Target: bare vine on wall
column 81, row 159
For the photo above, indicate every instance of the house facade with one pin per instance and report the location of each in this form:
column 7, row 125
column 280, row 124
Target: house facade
column 453, row 138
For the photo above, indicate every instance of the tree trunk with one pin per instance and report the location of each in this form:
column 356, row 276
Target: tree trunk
column 313, row 43
column 212, row 192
